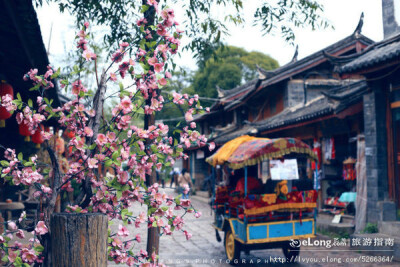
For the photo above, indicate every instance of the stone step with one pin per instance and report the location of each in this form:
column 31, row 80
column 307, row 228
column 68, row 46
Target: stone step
column 348, row 219
column 375, row 248
column 337, row 228
column 389, row 228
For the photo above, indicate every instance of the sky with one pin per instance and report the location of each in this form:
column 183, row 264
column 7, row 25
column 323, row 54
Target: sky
column 342, row 14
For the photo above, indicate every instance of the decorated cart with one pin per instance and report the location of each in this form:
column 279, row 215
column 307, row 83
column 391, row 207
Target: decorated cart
column 274, row 211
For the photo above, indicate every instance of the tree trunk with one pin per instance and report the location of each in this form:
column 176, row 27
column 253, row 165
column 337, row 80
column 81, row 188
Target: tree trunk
column 78, row 240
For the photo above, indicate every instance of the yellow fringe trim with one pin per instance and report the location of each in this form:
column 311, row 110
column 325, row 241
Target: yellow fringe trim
column 255, row 211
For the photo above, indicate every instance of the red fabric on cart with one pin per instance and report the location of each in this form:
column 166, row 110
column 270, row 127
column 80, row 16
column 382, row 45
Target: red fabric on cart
column 252, row 183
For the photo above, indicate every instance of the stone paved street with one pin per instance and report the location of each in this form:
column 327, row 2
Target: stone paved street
column 203, row 249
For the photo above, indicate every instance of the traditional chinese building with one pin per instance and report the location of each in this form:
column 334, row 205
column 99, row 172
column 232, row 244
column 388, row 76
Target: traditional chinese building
column 278, row 100
column 21, row 49
column 380, row 65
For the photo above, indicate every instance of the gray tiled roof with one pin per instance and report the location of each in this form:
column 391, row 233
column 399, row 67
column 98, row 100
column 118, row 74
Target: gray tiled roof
column 224, row 137
column 332, row 102
column 378, row 53
column 299, row 66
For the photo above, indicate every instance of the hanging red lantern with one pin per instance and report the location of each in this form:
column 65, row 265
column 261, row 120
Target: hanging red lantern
column 70, row 134
column 5, row 89
column 37, row 137
column 24, row 131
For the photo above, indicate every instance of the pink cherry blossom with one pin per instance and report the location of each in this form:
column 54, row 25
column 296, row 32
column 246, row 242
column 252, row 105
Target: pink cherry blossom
column 92, row 162
column 88, row 131
column 12, row 226
column 88, row 55
column 113, row 76
column 158, row 67
column 101, row 139
column 20, row 234
column 41, row 228
column 211, row 146
column 188, row 116
column 122, row 231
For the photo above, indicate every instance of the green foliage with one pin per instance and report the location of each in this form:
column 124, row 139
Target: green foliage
column 370, row 228
column 202, row 25
column 230, row 67
column 284, row 15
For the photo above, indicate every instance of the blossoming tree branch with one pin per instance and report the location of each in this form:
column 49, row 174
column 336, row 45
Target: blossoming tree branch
column 97, row 141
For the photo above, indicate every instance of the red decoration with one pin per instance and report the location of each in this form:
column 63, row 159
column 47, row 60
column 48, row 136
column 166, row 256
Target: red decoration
column 37, row 137
column 349, row 171
column 69, row 134
column 317, row 151
column 5, row 89
column 24, row 131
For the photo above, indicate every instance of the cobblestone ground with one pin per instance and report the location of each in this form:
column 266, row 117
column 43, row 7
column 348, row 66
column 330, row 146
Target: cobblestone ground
column 204, row 250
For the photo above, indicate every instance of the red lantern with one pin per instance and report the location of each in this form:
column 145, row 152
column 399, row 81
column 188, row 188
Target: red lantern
column 37, row 137
column 5, row 89
column 70, row 134
column 24, row 131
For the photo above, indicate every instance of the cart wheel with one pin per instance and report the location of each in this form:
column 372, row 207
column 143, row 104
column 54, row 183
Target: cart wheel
column 232, row 248
column 290, row 252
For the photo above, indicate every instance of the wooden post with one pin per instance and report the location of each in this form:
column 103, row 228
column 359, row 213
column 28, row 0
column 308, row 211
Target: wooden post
column 78, row 239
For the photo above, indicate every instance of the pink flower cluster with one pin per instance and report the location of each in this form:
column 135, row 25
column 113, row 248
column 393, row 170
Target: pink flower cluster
column 117, row 141
column 40, row 80
column 7, row 103
column 87, row 54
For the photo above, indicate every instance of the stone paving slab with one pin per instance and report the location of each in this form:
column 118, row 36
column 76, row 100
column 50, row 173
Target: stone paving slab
column 203, row 249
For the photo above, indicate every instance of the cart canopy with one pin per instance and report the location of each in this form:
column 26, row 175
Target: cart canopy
column 246, row 151
column 223, row 154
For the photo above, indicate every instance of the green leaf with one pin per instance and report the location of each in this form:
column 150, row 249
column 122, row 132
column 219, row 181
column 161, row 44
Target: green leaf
column 108, row 163
column 115, row 155
column 151, row 211
column 140, row 111
column 152, row 44
column 153, row 148
column 124, row 212
column 119, row 194
column 28, row 164
column 20, row 156
column 18, row 262
column 4, row 259
column 35, row 87
column 178, row 199
column 19, row 97
column 144, row 8
column 39, row 248
column 56, row 74
column 154, row 224
column 4, row 163
column 30, row 103
column 92, row 146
